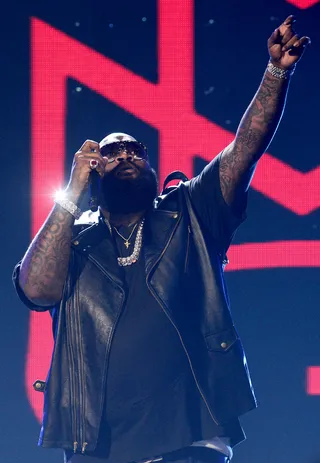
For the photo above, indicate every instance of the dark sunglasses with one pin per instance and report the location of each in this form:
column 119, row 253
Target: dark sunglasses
column 136, row 149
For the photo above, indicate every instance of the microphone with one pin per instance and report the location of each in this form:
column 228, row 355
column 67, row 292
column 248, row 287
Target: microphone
column 94, row 180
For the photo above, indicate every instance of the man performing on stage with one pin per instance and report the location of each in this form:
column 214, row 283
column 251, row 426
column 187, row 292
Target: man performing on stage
column 147, row 364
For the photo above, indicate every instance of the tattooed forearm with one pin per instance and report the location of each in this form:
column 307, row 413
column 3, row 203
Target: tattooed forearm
column 45, row 264
column 253, row 137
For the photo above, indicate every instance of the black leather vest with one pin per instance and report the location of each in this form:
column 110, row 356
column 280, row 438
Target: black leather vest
column 184, row 272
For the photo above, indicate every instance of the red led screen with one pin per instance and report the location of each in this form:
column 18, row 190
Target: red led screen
column 170, row 110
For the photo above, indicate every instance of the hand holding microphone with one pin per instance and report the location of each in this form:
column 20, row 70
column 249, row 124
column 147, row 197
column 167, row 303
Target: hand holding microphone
column 87, row 169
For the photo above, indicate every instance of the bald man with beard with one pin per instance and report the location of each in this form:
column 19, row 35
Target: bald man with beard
column 147, row 364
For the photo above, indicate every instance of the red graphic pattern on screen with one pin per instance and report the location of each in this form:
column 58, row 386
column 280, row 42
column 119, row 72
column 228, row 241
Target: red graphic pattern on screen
column 303, row 4
column 313, row 380
column 170, row 109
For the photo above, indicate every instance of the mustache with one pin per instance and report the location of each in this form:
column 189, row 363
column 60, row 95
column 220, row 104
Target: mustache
column 124, row 165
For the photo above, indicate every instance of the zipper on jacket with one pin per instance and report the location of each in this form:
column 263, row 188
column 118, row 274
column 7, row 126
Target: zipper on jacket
column 79, row 414
column 70, row 328
column 70, row 322
column 78, row 386
column 175, row 326
column 187, row 252
column 81, row 407
column 115, row 324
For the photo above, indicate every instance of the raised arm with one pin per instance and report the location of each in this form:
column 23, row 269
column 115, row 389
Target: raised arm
column 261, row 119
column 44, row 267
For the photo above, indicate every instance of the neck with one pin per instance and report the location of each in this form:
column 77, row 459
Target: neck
column 122, row 219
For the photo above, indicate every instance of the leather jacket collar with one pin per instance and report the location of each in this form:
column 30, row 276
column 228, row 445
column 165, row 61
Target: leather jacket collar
column 97, row 243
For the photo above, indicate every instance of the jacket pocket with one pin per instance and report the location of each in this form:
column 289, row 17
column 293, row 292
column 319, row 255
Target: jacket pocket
column 221, row 342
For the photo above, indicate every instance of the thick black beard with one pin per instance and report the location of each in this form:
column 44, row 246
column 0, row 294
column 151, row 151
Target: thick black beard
column 124, row 196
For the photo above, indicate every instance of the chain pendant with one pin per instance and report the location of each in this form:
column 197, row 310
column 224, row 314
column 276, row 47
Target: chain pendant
column 132, row 259
column 127, row 244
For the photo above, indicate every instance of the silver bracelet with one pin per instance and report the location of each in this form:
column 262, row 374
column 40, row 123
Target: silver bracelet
column 279, row 72
column 70, row 207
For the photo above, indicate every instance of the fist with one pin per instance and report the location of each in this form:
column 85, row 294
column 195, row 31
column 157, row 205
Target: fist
column 285, row 46
column 81, row 168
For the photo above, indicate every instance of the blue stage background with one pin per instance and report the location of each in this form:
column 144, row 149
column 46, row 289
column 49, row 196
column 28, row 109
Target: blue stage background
column 276, row 310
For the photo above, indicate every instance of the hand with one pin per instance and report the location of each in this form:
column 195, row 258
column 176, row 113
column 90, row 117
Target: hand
column 81, row 169
column 285, row 46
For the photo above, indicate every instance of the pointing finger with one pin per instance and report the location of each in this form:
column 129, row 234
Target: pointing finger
column 290, row 20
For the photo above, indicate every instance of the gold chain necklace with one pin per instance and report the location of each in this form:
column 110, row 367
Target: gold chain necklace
column 126, row 240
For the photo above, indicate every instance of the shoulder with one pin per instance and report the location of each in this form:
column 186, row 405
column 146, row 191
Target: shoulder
column 170, row 199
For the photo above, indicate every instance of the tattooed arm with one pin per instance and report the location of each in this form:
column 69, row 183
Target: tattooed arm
column 260, row 121
column 254, row 134
column 44, row 267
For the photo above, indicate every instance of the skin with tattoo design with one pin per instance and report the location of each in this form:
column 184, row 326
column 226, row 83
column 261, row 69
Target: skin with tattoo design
column 45, row 264
column 260, row 121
